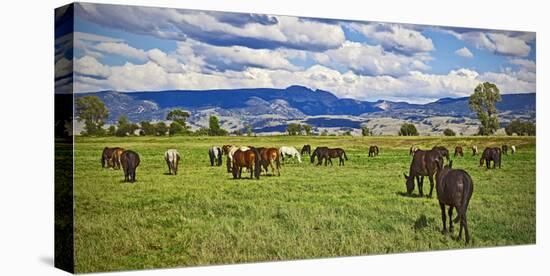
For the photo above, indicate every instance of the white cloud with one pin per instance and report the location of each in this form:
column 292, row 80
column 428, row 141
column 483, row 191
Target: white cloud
column 122, row 49
column 526, row 64
column 395, row 36
column 464, row 52
column 169, row 63
column 500, row 43
column 89, row 66
column 372, row 60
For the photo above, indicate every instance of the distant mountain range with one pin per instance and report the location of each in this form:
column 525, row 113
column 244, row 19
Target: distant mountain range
column 271, row 109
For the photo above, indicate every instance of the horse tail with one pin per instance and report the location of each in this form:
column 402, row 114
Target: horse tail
column 257, row 159
column 467, row 194
column 220, row 153
column 278, row 162
column 345, row 156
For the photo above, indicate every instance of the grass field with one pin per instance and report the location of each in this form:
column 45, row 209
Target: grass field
column 202, row 216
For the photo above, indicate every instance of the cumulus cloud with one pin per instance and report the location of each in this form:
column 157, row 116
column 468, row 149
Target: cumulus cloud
column 464, row 52
column 222, row 29
column 121, row 48
column 371, row 60
column 502, row 43
column 90, row 67
column 395, row 36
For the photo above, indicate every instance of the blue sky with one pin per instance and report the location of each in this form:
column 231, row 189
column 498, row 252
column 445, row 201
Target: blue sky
column 128, row 48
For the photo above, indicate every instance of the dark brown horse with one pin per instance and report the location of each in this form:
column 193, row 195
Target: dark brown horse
column 327, row 154
column 129, row 160
column 106, row 157
column 268, row 156
column 249, row 159
column 443, row 150
column 505, row 149
column 459, row 151
column 306, row 149
column 424, row 163
column 454, row 188
column 373, row 151
column 491, row 154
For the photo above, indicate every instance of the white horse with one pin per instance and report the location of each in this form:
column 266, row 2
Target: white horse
column 513, row 149
column 215, row 154
column 172, row 158
column 289, row 152
column 230, row 153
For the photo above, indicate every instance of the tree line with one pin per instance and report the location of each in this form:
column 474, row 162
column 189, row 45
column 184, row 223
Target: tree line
column 93, row 112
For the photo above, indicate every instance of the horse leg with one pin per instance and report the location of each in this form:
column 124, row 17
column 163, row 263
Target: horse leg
column 431, row 178
column 451, row 219
column 443, row 217
column 420, row 183
column 465, row 222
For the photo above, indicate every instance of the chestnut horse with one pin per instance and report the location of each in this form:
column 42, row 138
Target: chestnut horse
column 115, row 158
column 459, row 151
column 249, row 159
column 268, row 156
column 373, row 151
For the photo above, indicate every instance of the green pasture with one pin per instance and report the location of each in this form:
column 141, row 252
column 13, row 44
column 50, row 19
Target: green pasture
column 203, row 216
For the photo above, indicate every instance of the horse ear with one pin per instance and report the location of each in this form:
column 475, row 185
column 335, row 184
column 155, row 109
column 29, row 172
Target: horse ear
column 405, row 175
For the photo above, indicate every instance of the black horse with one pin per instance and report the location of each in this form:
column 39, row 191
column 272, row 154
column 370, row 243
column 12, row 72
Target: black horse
column 215, row 154
column 373, row 151
column 443, row 150
column 505, row 149
column 129, row 160
column 454, row 188
column 491, row 154
column 326, row 154
column 424, row 163
column 306, row 149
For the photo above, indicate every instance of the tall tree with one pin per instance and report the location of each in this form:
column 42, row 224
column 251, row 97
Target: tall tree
column 214, row 128
column 307, row 129
column 294, row 129
column 179, row 116
column 125, row 127
column 93, row 112
column 483, row 103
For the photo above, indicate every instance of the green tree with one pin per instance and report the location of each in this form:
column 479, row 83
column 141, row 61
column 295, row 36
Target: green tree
column 93, row 112
column 125, row 127
column 294, row 129
column 214, row 128
column 111, row 131
column 365, row 131
column 179, row 116
column 175, row 128
column 161, row 129
column 147, row 128
column 307, row 129
column 248, row 129
column 201, row 131
column 408, row 130
column 520, row 128
column 449, row 132
column 483, row 103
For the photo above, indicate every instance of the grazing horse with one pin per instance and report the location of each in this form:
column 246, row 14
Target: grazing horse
column 513, row 149
column 289, row 152
column 172, row 158
column 454, row 188
column 250, row 159
column 306, row 149
column 106, row 157
column 413, row 150
column 215, row 154
column 115, row 158
column 443, row 150
column 268, row 156
column 320, row 153
column 230, row 151
column 327, row 154
column 491, row 154
column 424, row 163
column 373, row 151
column 458, row 151
column 474, row 150
column 129, row 161
column 505, row 149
